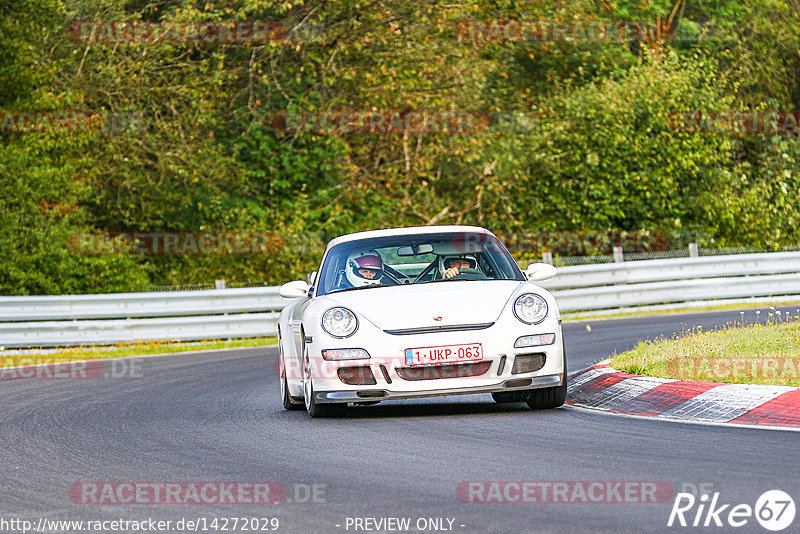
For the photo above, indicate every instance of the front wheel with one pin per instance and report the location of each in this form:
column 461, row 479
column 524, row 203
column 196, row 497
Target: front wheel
column 288, row 402
column 313, row 408
column 286, row 397
column 548, row 398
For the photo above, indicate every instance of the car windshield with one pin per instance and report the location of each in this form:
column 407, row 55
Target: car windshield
column 416, row 259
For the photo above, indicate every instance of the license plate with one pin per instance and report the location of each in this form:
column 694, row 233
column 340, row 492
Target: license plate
column 444, row 354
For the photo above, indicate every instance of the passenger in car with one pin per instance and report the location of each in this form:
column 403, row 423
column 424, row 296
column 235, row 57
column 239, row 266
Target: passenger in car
column 364, row 268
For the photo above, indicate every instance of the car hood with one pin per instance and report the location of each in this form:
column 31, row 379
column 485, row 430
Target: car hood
column 416, row 306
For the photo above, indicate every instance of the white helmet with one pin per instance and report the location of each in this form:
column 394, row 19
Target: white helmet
column 364, row 268
column 444, row 261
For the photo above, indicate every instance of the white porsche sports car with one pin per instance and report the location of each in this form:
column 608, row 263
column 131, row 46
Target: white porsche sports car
column 420, row 312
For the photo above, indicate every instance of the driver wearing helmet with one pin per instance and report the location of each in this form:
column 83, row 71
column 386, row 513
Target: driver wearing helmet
column 450, row 266
column 364, row 268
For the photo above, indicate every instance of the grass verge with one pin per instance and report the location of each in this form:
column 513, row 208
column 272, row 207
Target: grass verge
column 71, row 354
column 759, row 354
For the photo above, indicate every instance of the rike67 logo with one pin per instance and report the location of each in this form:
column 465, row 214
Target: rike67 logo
column 774, row 510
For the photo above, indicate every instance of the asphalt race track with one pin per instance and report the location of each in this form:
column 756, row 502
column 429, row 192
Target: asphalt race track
column 216, row 416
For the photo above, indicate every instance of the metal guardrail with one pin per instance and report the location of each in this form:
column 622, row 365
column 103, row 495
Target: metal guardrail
column 69, row 333
column 127, row 305
column 44, row 321
column 634, row 272
column 641, row 283
column 66, row 320
column 617, row 296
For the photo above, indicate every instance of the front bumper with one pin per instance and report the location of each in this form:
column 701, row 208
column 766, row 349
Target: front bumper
column 387, row 363
column 369, row 393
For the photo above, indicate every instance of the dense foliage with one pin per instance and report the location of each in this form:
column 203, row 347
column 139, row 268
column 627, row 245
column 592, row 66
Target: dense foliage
column 577, row 134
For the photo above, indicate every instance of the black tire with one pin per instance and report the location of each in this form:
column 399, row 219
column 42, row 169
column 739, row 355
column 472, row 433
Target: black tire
column 316, row 410
column 286, row 398
column 503, row 397
column 288, row 403
column 549, row 398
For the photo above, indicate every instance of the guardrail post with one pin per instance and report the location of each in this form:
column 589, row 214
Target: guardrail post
column 693, row 253
column 220, row 284
column 618, row 255
column 547, row 257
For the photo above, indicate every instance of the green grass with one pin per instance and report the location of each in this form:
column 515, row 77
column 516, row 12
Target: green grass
column 133, row 349
column 759, row 354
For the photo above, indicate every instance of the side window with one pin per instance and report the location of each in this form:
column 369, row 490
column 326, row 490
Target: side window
column 330, row 276
column 333, row 272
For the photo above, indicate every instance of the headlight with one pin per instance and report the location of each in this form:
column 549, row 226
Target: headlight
column 535, row 341
column 339, row 322
column 530, row 308
column 345, row 354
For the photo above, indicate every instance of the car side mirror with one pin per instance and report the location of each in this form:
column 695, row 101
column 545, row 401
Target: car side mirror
column 293, row 290
column 537, row 272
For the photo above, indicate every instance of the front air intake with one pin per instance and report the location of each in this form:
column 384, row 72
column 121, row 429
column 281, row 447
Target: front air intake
column 356, row 376
column 385, row 374
column 518, row 383
column 501, row 365
column 371, row 394
column 437, row 372
column 527, row 363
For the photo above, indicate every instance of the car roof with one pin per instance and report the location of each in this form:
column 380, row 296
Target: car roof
column 411, row 230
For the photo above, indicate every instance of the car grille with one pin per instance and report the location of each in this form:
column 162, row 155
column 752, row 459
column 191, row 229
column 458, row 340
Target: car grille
column 436, row 372
column 435, row 329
